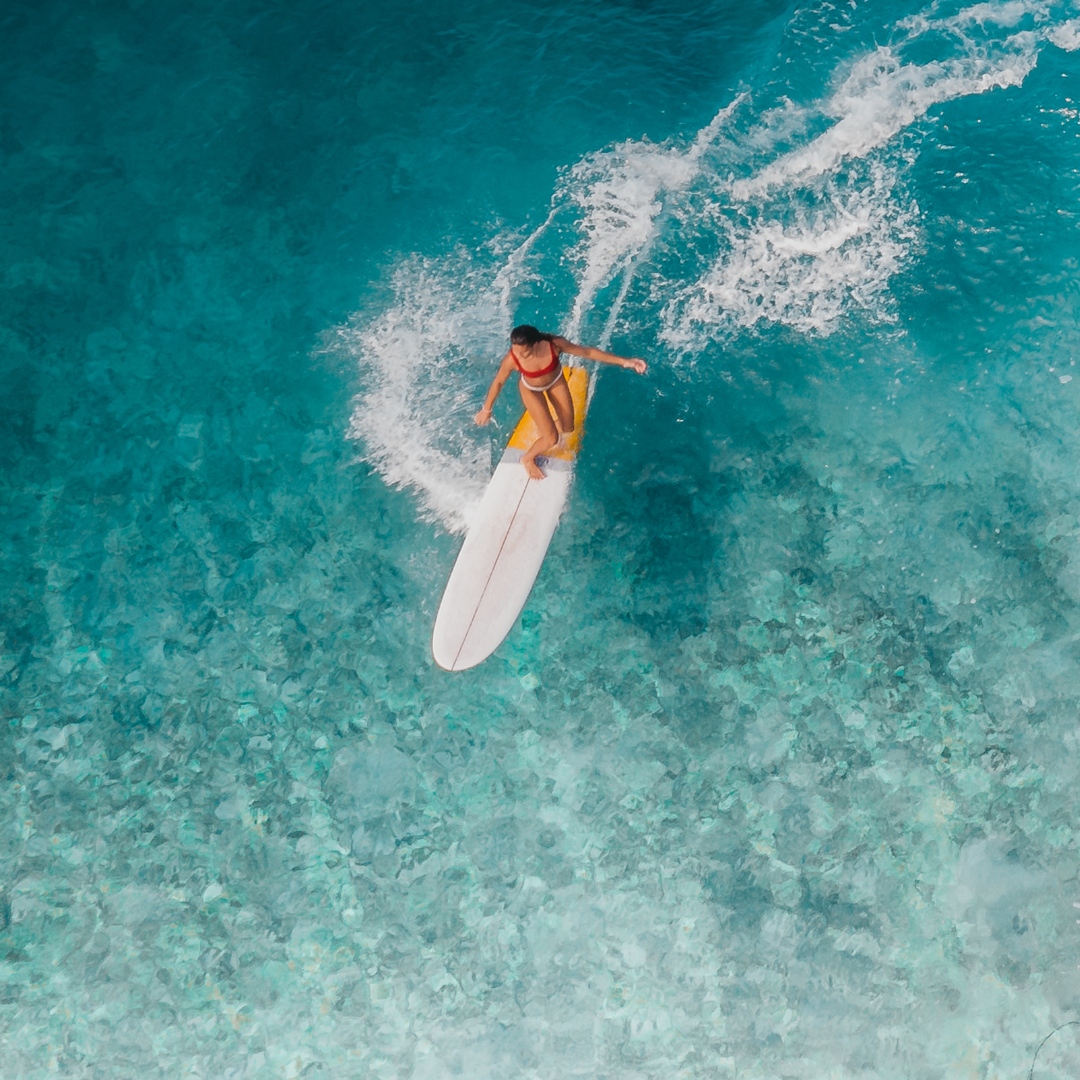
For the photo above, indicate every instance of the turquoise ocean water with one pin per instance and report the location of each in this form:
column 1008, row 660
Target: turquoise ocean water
column 777, row 775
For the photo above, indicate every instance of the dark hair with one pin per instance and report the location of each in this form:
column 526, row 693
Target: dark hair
column 527, row 335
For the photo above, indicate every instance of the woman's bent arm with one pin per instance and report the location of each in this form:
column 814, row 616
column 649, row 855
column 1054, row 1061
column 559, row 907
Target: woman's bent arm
column 505, row 368
column 587, row 352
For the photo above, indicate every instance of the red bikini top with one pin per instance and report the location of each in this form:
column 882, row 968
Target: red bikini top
column 543, row 371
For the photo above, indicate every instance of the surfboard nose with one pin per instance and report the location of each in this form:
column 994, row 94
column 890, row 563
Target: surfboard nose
column 498, row 564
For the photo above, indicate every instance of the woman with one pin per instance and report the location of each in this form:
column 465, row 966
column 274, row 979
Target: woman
column 536, row 357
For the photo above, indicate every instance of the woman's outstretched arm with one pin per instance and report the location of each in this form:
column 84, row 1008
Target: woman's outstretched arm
column 505, row 368
column 587, row 352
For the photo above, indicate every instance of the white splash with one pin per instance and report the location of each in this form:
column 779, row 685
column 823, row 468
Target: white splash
column 963, row 24
column 822, row 229
column 1066, row 36
column 879, row 99
column 425, row 360
column 1009, row 13
column 621, row 192
column 805, row 274
column 419, row 364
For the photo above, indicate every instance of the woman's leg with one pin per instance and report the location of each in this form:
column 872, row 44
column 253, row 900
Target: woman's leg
column 537, row 406
column 563, row 403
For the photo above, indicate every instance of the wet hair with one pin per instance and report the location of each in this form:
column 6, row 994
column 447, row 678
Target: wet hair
column 527, row 335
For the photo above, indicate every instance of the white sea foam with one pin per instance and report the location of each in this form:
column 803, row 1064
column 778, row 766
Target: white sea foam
column 962, row 23
column 822, row 229
column 1066, row 36
column 805, row 274
column 1006, row 14
column 880, row 98
column 413, row 415
column 621, row 193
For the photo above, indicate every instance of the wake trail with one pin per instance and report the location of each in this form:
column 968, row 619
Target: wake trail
column 738, row 227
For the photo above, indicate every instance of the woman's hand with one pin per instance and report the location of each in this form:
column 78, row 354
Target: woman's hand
column 637, row 364
column 483, row 417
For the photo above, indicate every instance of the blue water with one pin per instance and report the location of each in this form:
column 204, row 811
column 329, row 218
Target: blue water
column 776, row 777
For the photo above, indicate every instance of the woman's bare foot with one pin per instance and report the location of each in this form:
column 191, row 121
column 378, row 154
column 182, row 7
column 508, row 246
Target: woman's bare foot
column 534, row 470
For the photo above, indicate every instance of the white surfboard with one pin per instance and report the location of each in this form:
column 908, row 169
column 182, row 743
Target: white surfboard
column 506, row 544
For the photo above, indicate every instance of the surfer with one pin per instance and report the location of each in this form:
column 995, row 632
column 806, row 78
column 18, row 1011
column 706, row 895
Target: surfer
column 543, row 385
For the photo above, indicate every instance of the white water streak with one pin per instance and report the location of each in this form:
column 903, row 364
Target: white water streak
column 804, row 274
column 879, row 99
column 621, row 193
column 823, row 228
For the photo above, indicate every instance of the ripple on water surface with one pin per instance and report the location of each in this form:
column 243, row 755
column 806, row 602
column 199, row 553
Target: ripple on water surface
column 775, row 775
